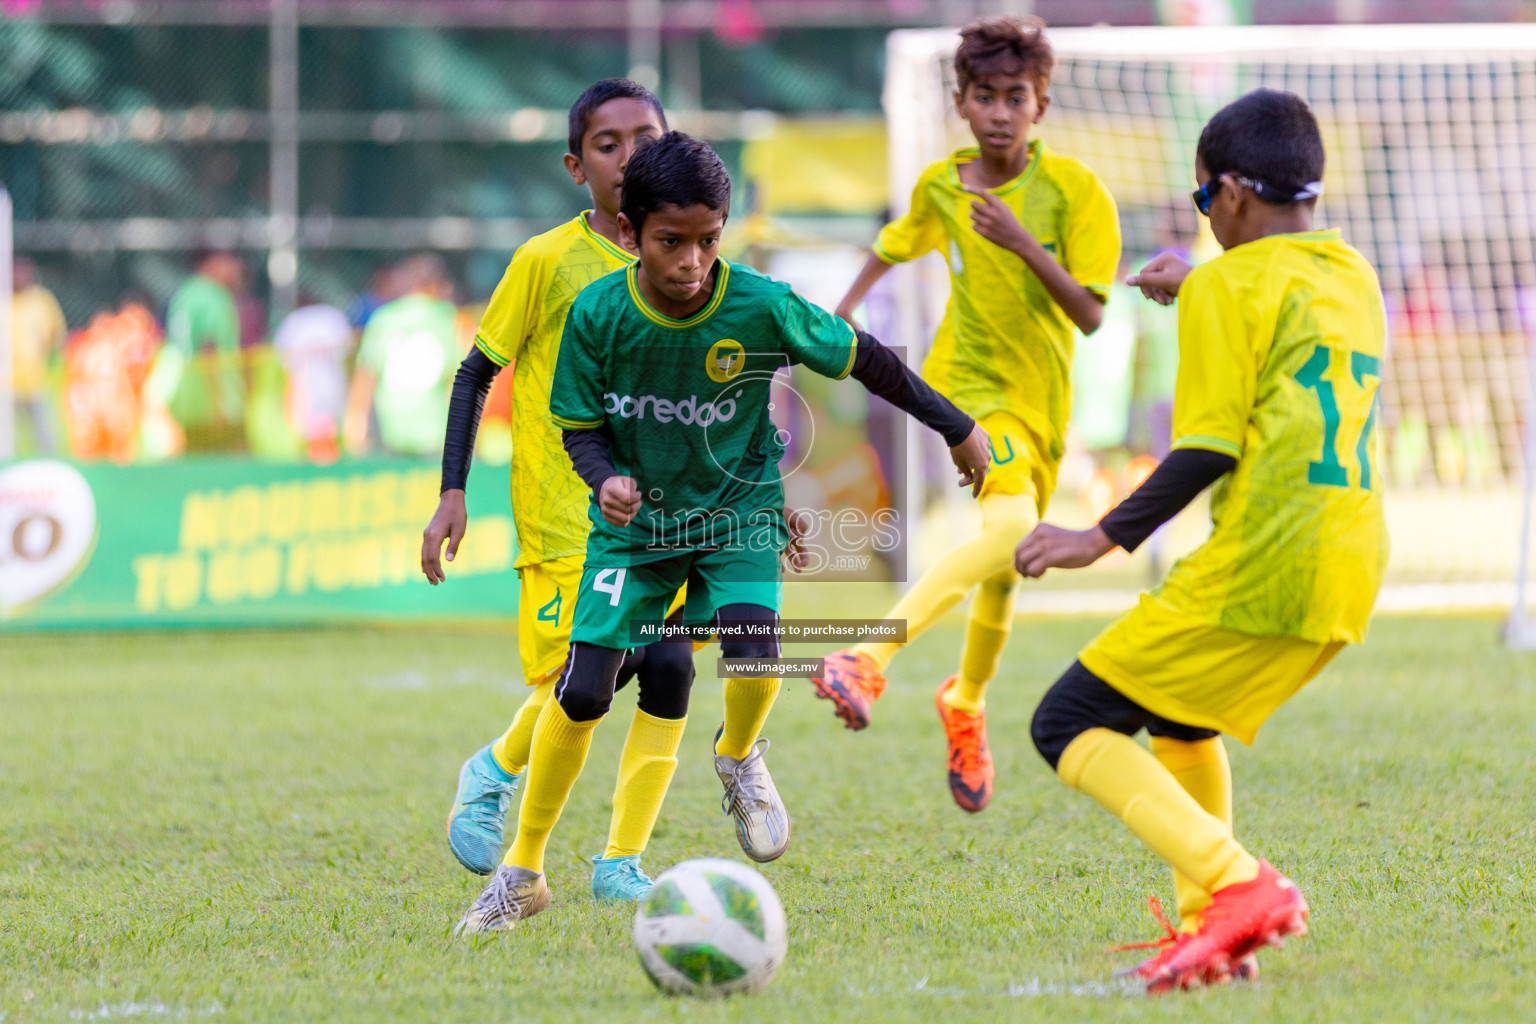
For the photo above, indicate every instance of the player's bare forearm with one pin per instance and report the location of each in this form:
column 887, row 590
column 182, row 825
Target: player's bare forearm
column 873, row 270
column 1083, row 306
column 1051, row 547
column 448, row 524
column 995, row 221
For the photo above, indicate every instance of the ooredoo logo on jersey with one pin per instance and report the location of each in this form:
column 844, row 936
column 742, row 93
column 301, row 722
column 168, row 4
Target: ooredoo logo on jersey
column 689, row 411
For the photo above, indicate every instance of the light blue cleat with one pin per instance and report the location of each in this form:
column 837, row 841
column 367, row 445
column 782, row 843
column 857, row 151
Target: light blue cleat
column 477, row 824
column 619, row 878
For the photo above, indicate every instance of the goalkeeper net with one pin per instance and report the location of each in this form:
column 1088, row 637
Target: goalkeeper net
column 1431, row 140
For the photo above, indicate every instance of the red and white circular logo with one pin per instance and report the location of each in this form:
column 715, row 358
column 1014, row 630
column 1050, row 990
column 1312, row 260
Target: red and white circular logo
column 47, row 532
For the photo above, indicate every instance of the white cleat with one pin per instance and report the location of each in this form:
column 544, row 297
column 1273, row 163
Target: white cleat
column 515, row 894
column 762, row 823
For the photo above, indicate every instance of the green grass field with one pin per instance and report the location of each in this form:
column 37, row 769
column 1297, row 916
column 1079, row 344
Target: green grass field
column 249, row 826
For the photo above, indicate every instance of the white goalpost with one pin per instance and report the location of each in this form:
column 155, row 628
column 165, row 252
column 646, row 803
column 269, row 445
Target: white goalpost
column 7, row 391
column 1431, row 139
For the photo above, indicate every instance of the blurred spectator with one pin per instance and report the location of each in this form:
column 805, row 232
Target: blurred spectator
column 405, row 364
column 37, row 336
column 105, row 370
column 250, row 312
column 383, row 287
column 313, row 343
column 202, row 354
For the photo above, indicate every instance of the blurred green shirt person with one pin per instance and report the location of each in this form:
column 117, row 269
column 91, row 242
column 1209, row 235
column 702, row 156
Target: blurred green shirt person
column 405, row 366
column 202, row 341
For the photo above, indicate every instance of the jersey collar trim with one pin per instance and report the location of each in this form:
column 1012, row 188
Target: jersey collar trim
column 1316, row 235
column 616, row 251
column 969, row 153
column 723, row 274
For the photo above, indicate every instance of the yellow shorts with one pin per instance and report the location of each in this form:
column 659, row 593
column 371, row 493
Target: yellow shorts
column 1018, row 464
column 545, row 603
column 1196, row 674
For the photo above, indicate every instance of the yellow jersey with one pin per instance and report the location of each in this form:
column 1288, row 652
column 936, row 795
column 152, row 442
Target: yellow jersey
column 1280, row 351
column 524, row 323
column 37, row 334
column 1004, row 344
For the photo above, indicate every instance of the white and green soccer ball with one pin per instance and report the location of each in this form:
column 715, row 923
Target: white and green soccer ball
column 710, row 927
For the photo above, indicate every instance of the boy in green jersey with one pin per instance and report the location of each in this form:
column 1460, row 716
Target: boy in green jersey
column 662, row 392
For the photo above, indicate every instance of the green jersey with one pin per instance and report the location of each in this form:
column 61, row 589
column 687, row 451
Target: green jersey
column 410, row 346
column 685, row 405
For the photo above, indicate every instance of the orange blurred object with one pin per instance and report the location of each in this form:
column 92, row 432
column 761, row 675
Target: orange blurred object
column 105, row 366
column 1101, row 493
column 1137, row 471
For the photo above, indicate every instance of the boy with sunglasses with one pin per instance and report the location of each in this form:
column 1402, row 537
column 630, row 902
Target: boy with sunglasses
column 1280, row 349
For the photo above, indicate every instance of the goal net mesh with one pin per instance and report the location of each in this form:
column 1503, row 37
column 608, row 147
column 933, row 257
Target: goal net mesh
column 1431, row 140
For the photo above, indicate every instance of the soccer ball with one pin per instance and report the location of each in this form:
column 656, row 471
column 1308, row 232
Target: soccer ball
column 710, row 927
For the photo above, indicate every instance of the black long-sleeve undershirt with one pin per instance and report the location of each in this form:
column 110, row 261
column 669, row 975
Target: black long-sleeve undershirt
column 588, row 449
column 882, row 373
column 1173, row 484
column 471, row 384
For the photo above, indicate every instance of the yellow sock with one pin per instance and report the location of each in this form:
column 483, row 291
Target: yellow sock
column 747, row 702
column 1202, row 769
column 1133, row 786
column 559, row 750
column 1006, row 518
column 511, row 751
column 986, row 634
column 645, row 772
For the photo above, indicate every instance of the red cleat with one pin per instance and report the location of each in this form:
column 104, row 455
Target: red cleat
column 1173, row 944
column 1167, row 946
column 1240, row 920
column 970, row 762
column 850, row 681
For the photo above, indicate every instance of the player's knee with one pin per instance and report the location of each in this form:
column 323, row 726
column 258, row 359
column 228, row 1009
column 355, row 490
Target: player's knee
column 585, row 689
column 629, row 667
column 666, row 679
column 753, row 648
column 739, row 636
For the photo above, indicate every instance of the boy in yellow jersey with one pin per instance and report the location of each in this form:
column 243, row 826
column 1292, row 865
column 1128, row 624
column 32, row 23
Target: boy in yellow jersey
column 522, row 325
column 1280, row 348
column 1033, row 243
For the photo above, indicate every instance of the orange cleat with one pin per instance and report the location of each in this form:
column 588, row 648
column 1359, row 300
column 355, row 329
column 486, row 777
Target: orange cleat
column 970, row 762
column 1239, row 920
column 850, row 681
column 1172, row 944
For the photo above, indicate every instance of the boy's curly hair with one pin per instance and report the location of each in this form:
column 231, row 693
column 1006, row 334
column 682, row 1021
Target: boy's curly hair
column 1004, row 46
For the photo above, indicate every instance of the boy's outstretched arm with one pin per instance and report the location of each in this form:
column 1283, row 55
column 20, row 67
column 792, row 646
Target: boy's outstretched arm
column 873, row 270
column 1178, row 478
column 995, row 222
column 1159, row 279
column 883, row 374
column 470, row 386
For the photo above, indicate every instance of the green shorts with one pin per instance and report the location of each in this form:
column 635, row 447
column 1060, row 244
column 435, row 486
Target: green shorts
column 624, row 607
